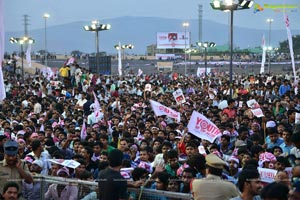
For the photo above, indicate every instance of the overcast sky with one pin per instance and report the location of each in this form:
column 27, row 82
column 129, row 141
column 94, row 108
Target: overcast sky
column 65, row 11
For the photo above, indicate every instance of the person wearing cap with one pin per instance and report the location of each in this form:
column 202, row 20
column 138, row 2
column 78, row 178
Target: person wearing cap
column 273, row 138
column 12, row 167
column 233, row 167
column 62, row 191
column 213, row 187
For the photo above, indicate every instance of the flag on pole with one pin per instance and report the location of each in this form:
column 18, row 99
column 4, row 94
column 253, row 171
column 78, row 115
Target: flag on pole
column 28, row 55
column 70, row 61
column 96, row 106
column 83, row 133
column 2, row 88
column 263, row 59
column 160, row 109
column 140, row 72
column 290, row 40
column 119, row 60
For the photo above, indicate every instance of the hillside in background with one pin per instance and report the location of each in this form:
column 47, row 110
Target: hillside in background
column 141, row 32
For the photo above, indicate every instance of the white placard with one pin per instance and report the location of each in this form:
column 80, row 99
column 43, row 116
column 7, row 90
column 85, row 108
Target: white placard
column 179, row 97
column 267, row 175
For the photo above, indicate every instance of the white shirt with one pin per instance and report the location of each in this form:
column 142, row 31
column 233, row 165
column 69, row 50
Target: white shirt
column 295, row 151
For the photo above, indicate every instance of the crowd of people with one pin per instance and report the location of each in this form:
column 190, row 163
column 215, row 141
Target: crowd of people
column 107, row 125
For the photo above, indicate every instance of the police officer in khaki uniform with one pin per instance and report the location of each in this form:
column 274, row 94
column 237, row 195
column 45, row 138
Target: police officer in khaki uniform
column 213, row 187
column 12, row 168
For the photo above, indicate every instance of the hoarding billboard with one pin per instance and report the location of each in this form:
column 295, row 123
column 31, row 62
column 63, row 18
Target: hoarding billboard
column 173, row 40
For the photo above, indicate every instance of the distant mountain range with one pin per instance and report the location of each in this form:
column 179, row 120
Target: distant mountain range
column 141, row 32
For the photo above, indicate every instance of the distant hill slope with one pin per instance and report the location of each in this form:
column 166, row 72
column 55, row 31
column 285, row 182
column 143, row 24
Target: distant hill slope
column 139, row 31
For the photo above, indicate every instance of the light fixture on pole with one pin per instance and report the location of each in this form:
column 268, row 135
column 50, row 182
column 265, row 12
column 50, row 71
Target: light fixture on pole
column 96, row 27
column 269, row 49
column 231, row 5
column 46, row 16
column 189, row 51
column 21, row 42
column 121, row 50
column 185, row 25
column 205, row 45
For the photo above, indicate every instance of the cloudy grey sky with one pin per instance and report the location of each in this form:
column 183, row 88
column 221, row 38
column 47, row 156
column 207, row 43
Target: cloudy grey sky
column 65, row 11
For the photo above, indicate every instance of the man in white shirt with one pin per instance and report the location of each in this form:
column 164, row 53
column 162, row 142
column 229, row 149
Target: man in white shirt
column 81, row 102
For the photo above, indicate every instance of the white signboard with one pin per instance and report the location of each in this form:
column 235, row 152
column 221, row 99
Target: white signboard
column 172, row 40
column 267, row 175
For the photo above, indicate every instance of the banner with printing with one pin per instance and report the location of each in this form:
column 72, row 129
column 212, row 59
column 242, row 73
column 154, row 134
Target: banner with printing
column 160, row 109
column 267, row 175
column 203, row 128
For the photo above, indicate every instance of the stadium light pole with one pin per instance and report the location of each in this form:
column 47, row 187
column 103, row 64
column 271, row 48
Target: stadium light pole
column 46, row 17
column 126, row 46
column 205, row 45
column 185, row 25
column 21, row 41
column 96, row 27
column 231, row 6
column 270, row 21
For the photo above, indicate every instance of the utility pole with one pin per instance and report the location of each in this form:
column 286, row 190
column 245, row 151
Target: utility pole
column 26, row 24
column 200, row 18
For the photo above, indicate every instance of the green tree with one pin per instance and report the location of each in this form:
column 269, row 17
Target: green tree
column 284, row 45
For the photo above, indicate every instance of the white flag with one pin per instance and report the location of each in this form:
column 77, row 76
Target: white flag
column 198, row 72
column 28, row 55
column 120, row 60
column 263, row 59
column 160, row 109
column 290, row 40
column 203, row 128
column 2, row 88
column 140, row 72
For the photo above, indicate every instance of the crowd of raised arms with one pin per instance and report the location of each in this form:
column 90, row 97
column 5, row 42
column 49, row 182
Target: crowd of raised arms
column 45, row 118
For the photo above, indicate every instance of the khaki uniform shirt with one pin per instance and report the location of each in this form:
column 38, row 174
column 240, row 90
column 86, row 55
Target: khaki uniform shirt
column 11, row 174
column 213, row 188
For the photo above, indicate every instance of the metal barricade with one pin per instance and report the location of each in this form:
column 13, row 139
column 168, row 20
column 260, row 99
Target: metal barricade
column 45, row 187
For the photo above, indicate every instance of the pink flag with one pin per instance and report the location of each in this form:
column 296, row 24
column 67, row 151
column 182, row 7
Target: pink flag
column 290, row 40
column 96, row 106
column 70, row 61
column 83, row 133
column 2, row 88
column 203, row 128
column 160, row 109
